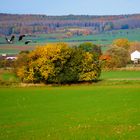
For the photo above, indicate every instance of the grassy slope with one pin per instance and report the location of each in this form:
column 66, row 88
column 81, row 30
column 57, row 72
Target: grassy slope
column 56, row 113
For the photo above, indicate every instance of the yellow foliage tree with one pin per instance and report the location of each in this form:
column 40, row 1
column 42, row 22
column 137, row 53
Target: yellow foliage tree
column 121, row 42
column 59, row 63
column 91, row 68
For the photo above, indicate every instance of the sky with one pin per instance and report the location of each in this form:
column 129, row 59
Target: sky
column 66, row 7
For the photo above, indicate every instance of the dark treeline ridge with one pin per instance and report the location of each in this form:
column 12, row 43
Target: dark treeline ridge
column 19, row 24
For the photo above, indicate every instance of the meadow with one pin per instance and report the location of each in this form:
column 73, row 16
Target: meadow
column 129, row 74
column 107, row 110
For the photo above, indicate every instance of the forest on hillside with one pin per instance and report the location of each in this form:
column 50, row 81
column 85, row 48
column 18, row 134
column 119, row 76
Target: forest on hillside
column 33, row 24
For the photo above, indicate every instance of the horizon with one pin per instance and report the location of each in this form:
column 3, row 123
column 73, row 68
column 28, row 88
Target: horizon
column 79, row 7
column 68, row 14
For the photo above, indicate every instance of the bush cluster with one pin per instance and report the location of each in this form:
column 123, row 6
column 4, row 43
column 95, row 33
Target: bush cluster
column 58, row 63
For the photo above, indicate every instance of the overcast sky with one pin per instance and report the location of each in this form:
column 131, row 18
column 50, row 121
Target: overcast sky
column 66, row 7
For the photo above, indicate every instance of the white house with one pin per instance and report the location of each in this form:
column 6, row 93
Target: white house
column 11, row 58
column 135, row 56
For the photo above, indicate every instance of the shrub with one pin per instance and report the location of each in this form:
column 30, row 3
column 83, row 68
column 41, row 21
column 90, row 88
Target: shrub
column 119, row 57
column 58, row 63
column 92, row 48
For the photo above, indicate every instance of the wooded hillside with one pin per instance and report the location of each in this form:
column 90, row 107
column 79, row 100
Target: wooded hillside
column 19, row 24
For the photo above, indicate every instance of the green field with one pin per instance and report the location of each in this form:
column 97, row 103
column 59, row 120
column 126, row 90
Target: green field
column 121, row 75
column 106, row 38
column 106, row 76
column 80, row 113
column 103, row 39
column 97, row 111
column 7, row 75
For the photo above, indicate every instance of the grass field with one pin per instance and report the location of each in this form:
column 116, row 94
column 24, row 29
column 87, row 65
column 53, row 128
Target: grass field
column 130, row 74
column 77, row 112
column 7, row 75
column 70, row 113
column 121, row 75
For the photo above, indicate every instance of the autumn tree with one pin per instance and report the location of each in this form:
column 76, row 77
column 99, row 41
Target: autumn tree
column 118, row 57
column 118, row 54
column 92, row 48
column 22, row 59
column 122, row 42
column 91, row 67
column 134, row 46
column 105, row 61
column 59, row 63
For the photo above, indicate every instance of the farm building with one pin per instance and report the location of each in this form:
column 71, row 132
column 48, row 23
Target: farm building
column 7, row 57
column 135, row 56
column 11, row 58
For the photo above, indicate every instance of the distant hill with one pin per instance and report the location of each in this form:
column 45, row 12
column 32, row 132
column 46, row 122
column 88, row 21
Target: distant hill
column 33, row 24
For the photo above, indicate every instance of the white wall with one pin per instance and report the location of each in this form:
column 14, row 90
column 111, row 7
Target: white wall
column 135, row 55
